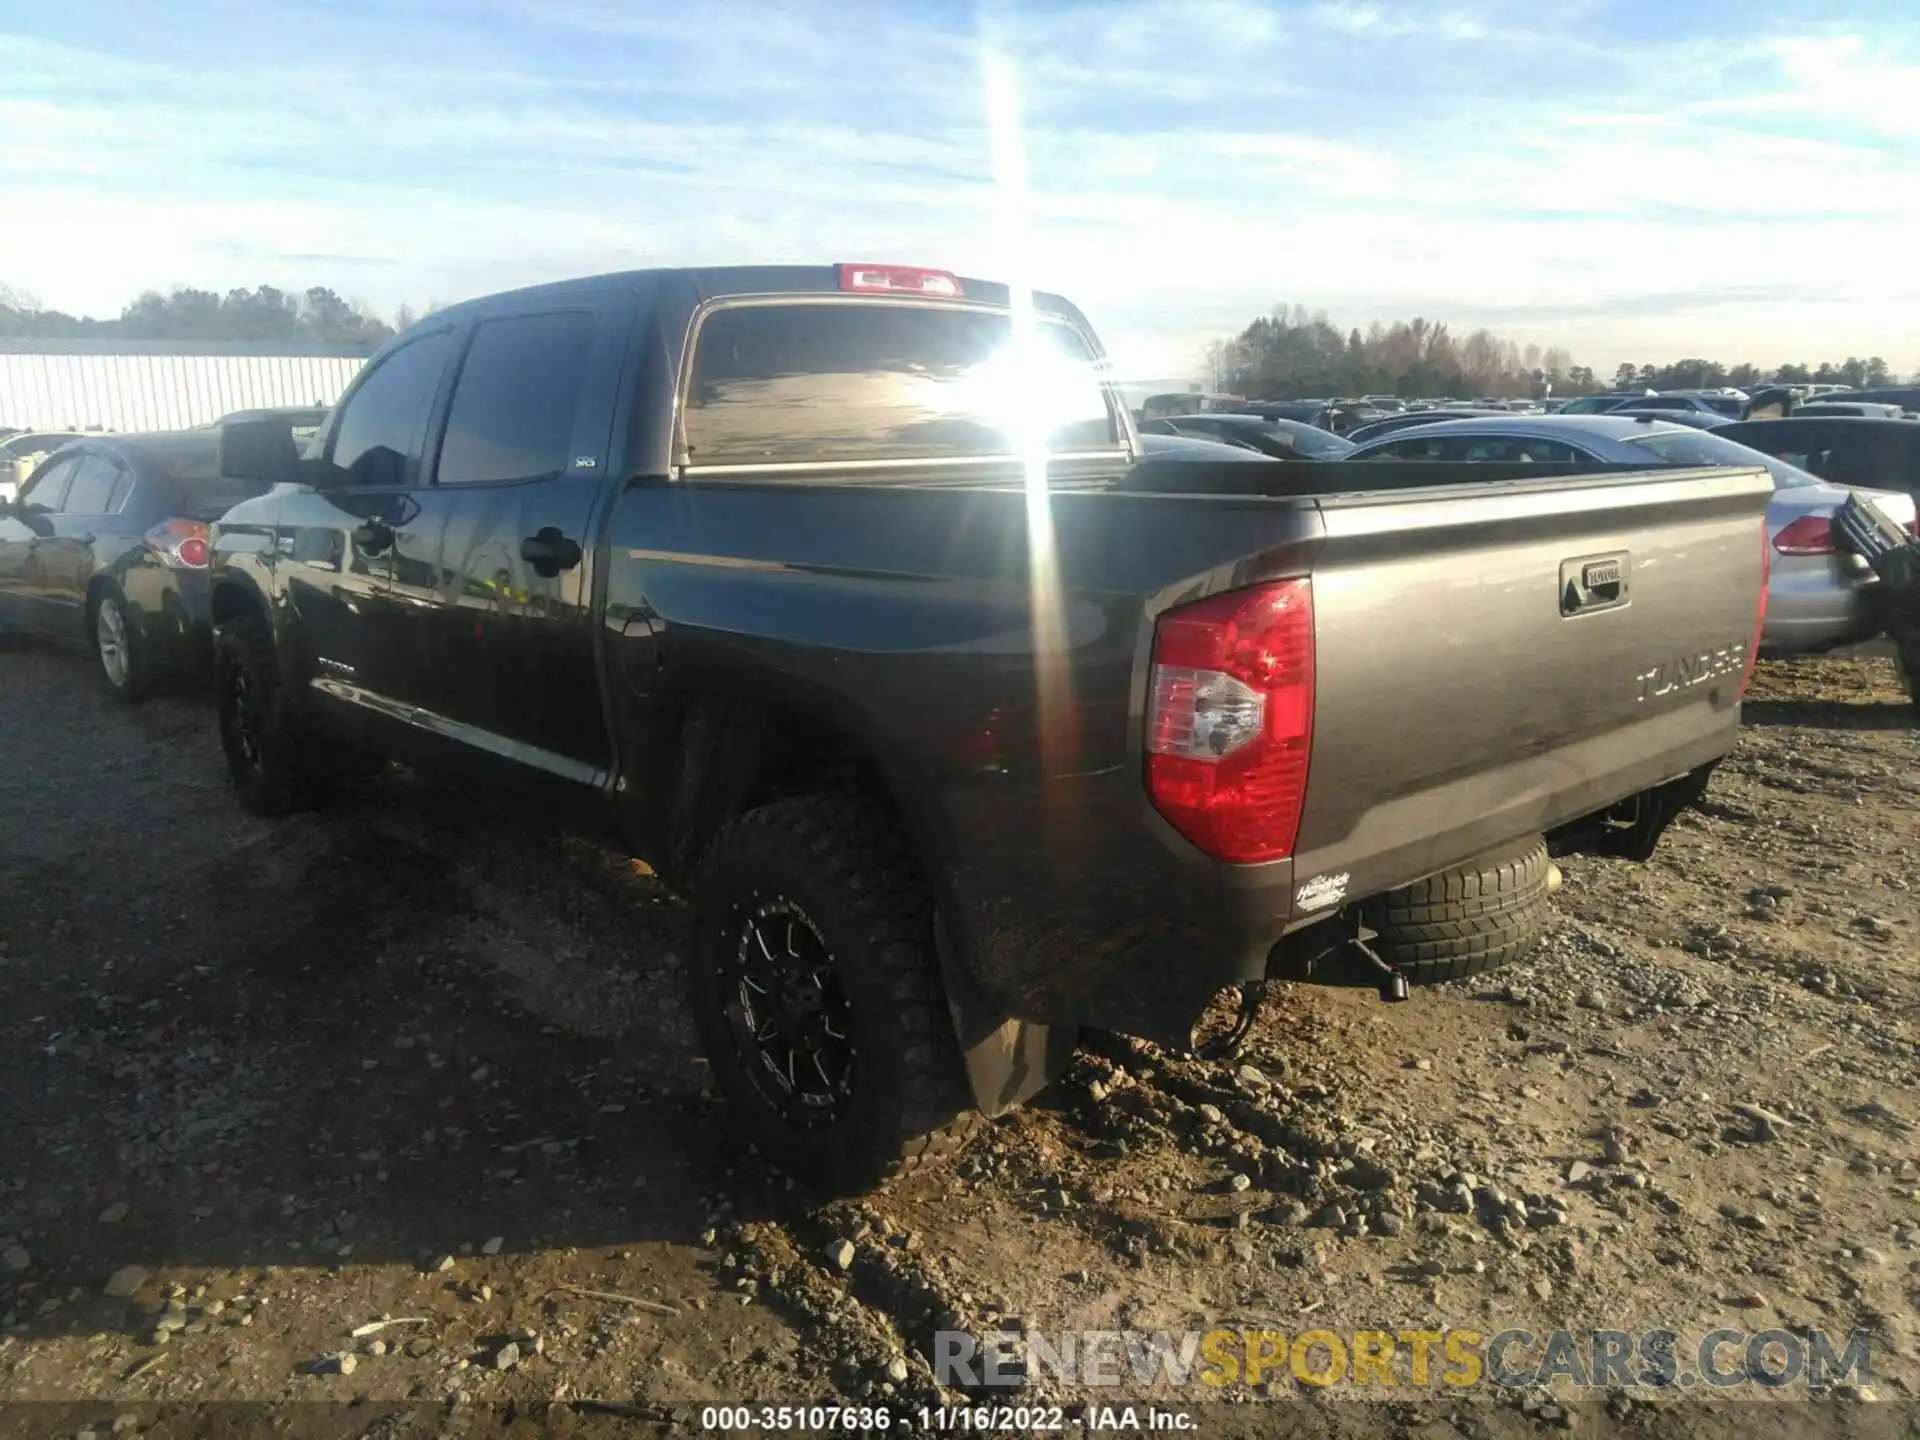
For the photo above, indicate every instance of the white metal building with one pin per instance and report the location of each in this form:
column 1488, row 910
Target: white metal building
column 132, row 385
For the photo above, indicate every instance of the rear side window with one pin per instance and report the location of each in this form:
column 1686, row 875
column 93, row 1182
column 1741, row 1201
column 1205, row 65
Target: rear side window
column 93, row 482
column 513, row 406
column 385, row 419
column 850, row 382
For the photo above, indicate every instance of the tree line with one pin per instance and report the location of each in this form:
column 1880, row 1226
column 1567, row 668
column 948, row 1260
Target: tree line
column 1293, row 353
column 263, row 314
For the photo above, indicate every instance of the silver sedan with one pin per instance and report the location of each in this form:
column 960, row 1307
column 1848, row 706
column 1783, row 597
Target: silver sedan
column 1820, row 596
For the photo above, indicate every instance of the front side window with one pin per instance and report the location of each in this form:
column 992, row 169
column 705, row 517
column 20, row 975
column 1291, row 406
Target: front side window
column 851, row 382
column 384, row 424
column 48, row 490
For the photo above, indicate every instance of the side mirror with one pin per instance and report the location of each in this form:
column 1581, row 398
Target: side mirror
column 259, row 450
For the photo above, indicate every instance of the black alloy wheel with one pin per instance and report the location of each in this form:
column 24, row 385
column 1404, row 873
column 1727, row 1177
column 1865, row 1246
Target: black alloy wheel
column 788, row 1016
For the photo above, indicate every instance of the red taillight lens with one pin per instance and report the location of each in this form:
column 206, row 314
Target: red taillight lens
column 180, row 542
column 1809, row 535
column 1759, row 610
column 901, row 280
column 1230, row 720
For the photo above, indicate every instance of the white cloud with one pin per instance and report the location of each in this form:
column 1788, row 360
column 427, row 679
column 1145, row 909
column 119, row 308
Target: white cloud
column 1188, row 169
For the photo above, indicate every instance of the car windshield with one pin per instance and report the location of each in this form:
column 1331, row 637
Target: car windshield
column 1697, row 447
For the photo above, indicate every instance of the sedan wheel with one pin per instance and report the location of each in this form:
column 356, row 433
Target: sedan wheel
column 113, row 641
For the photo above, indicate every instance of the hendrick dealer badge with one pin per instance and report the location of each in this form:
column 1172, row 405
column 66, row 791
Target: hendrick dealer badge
column 1321, row 891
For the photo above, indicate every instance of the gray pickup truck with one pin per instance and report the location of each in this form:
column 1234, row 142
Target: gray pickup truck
column 844, row 597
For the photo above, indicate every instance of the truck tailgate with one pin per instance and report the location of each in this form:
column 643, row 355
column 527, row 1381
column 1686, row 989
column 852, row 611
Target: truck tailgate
column 1502, row 658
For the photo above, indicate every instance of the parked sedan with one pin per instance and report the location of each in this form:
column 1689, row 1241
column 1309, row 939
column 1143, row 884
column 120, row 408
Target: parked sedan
column 1279, row 439
column 1820, row 597
column 106, row 551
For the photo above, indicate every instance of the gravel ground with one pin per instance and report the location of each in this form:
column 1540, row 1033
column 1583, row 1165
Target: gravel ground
column 264, row 1085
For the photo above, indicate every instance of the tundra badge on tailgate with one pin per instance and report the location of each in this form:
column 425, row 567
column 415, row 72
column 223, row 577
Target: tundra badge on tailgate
column 1686, row 670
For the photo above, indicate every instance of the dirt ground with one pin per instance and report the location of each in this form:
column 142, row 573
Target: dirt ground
column 264, row 1084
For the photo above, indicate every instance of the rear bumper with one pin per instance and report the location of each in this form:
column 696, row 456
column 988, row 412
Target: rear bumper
column 1817, row 603
column 1117, row 922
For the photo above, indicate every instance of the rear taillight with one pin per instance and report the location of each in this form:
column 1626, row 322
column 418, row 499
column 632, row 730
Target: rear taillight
column 1809, row 535
column 1230, row 720
column 1759, row 611
column 182, row 543
column 901, row 280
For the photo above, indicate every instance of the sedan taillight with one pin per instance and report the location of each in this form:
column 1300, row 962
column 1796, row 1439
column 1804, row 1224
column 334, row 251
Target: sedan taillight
column 181, row 543
column 1809, row 535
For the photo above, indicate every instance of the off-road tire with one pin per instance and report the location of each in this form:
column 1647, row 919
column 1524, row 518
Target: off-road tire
column 1478, row 917
column 839, row 861
column 297, row 768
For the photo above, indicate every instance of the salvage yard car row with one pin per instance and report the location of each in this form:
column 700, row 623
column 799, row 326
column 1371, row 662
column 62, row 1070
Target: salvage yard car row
column 737, row 568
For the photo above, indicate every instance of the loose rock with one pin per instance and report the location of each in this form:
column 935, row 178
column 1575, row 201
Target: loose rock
column 124, row 1281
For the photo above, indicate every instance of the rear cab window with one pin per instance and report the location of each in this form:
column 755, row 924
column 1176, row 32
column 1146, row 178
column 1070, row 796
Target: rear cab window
column 882, row 385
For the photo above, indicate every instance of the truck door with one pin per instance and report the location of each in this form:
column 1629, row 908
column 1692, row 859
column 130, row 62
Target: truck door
column 335, row 541
column 517, row 473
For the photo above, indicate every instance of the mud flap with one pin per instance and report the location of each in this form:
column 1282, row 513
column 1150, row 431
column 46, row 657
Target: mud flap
column 1008, row 1061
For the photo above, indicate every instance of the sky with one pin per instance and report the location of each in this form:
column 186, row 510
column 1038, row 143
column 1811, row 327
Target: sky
column 1627, row 181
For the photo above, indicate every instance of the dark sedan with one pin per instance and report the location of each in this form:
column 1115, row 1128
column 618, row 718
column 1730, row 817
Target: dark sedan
column 1848, row 450
column 105, row 550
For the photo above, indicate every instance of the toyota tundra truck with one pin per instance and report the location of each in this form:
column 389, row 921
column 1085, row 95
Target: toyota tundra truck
column 843, row 597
